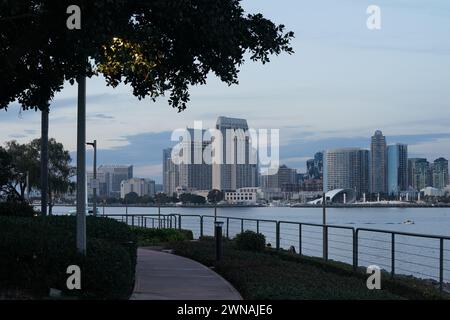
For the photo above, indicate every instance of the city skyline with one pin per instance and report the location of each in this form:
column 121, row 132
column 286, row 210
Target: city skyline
column 308, row 100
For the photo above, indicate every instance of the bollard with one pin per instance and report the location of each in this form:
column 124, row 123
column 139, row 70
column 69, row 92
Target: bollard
column 219, row 242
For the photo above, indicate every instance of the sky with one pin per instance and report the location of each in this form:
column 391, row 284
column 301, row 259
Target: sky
column 343, row 83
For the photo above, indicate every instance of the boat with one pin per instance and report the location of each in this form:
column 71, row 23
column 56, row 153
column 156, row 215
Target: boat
column 408, row 222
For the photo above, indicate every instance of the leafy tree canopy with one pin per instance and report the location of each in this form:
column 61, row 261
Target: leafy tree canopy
column 156, row 46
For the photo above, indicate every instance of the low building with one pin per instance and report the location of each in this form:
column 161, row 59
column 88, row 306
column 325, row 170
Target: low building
column 247, row 196
column 432, row 192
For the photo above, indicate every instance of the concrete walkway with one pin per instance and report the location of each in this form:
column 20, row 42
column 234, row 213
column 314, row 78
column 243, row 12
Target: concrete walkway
column 164, row 276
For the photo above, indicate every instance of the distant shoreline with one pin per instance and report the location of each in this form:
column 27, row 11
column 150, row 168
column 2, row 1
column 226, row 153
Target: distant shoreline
column 302, row 206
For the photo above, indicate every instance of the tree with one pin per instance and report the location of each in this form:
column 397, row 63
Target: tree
column 157, row 47
column 26, row 165
column 7, row 176
column 192, row 198
column 131, row 198
column 215, row 196
column 26, row 159
column 60, row 170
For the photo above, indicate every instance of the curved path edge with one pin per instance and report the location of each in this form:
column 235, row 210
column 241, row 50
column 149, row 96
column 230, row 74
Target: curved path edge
column 165, row 276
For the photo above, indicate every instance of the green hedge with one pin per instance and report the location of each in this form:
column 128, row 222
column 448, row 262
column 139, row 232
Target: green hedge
column 149, row 237
column 250, row 240
column 35, row 253
column 18, row 209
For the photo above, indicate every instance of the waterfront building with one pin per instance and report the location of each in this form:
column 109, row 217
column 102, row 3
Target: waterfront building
column 193, row 175
column 346, row 168
column 419, row 173
column 378, row 167
column 246, row 196
column 114, row 175
column 171, row 177
column 440, row 173
column 142, row 187
column 397, row 168
column 285, row 179
column 102, row 186
column 314, row 167
column 229, row 172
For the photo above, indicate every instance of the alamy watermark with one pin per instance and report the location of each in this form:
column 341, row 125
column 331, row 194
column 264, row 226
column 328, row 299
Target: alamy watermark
column 374, row 19
column 232, row 146
column 74, row 280
column 374, row 280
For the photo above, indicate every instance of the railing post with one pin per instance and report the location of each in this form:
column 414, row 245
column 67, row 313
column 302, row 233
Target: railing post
column 242, row 225
column 145, row 222
column 441, row 265
column 355, row 249
column 132, row 221
column 392, row 255
column 257, row 226
column 325, row 243
column 277, row 235
column 228, row 228
column 201, row 226
column 179, row 222
column 300, row 239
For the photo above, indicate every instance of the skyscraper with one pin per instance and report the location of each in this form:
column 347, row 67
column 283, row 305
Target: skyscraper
column 232, row 173
column 419, row 176
column 285, row 180
column 192, row 175
column 114, row 175
column 378, row 168
column 346, row 168
column 397, row 168
column 315, row 166
column 171, row 176
column 440, row 173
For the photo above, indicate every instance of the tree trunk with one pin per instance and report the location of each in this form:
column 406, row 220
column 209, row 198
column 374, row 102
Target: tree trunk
column 44, row 161
column 50, row 203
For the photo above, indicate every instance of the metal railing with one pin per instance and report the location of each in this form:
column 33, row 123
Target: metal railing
column 420, row 255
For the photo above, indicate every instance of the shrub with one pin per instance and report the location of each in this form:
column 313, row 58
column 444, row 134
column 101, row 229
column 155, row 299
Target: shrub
column 148, row 237
column 18, row 209
column 250, row 241
column 35, row 253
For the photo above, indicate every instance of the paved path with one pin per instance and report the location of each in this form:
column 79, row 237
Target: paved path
column 164, row 276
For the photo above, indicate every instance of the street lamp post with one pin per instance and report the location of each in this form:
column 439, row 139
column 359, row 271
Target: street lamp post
column 81, row 166
column 94, row 188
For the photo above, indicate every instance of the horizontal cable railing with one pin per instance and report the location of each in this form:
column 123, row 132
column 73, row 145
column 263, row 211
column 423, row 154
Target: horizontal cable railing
column 421, row 255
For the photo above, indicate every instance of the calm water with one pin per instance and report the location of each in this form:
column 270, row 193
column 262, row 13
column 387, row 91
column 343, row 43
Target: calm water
column 414, row 256
column 426, row 220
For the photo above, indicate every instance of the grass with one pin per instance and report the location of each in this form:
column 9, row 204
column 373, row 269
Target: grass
column 276, row 275
column 151, row 237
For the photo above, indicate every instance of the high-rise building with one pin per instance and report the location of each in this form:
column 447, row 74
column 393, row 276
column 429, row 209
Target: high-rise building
column 102, row 187
column 233, row 171
column 142, row 187
column 378, row 167
column 114, row 175
column 419, row 176
column 397, row 168
column 171, row 177
column 346, row 168
column 193, row 175
column 314, row 167
column 440, row 173
column 285, row 180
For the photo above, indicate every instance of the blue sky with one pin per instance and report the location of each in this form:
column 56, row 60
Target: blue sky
column 342, row 84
